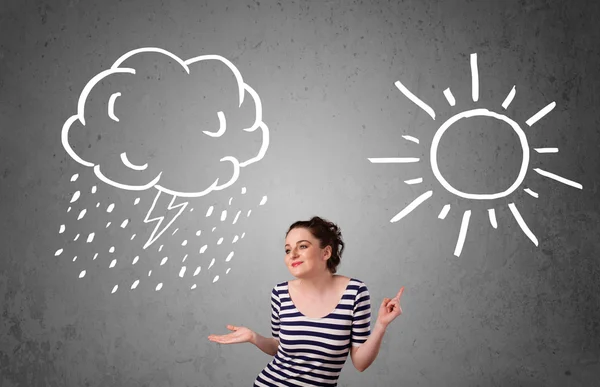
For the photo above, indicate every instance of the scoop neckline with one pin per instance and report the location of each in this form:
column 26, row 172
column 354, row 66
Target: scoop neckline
column 317, row 318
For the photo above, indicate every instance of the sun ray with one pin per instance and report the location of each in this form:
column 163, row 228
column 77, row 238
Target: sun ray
column 492, row 215
column 444, row 212
column 408, row 209
column 463, row 232
column 532, row 193
column 509, row 98
column 411, row 138
column 379, row 160
column 558, row 178
column 449, row 97
column 414, row 181
column 537, row 116
column 546, row 150
column 522, row 224
column 415, row 99
column 474, row 77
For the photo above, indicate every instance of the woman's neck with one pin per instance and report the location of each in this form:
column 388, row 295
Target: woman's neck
column 317, row 285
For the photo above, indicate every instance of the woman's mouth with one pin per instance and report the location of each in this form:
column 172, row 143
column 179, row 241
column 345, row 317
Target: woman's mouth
column 296, row 264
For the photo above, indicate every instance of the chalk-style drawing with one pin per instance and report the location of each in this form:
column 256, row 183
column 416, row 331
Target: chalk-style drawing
column 166, row 196
column 223, row 217
column 176, row 208
column 481, row 112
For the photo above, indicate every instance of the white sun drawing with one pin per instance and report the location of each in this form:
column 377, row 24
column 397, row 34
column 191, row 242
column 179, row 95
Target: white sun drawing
column 433, row 154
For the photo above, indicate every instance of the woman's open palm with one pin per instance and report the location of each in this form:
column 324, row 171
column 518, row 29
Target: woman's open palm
column 239, row 335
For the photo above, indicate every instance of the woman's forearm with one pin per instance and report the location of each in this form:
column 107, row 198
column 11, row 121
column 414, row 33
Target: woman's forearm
column 368, row 351
column 268, row 345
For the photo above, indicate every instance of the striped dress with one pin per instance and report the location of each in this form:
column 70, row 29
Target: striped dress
column 312, row 351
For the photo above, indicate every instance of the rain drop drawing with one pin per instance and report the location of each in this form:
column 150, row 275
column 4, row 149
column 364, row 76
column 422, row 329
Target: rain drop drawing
column 170, row 125
column 433, row 158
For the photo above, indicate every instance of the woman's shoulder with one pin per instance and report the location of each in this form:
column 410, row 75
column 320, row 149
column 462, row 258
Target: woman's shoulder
column 281, row 285
column 356, row 281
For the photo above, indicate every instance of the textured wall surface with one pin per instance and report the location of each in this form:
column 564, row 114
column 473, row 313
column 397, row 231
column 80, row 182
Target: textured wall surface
column 88, row 299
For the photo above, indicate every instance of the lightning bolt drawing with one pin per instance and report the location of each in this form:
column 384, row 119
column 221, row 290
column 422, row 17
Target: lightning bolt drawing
column 159, row 219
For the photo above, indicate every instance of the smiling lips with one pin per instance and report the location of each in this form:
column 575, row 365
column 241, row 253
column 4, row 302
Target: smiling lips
column 296, row 264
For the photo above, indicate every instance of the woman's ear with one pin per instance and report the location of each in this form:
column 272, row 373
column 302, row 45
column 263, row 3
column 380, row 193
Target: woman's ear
column 327, row 252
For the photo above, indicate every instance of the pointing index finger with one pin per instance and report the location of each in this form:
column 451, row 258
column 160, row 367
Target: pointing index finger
column 400, row 293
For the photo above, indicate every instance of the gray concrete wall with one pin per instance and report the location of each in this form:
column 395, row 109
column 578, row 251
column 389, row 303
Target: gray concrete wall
column 503, row 312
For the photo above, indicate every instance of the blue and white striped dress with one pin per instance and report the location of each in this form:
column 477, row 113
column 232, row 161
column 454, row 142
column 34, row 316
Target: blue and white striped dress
column 312, row 351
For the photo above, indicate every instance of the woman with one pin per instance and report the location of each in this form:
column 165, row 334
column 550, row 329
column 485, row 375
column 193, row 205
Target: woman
column 318, row 318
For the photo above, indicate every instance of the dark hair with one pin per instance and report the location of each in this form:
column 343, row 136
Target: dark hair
column 328, row 234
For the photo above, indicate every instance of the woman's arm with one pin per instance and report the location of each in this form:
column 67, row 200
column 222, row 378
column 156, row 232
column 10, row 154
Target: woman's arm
column 268, row 345
column 363, row 356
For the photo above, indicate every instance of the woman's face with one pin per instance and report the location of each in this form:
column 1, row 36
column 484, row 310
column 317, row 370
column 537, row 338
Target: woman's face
column 303, row 254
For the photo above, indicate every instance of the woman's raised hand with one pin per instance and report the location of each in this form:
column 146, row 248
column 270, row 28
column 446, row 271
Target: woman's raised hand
column 239, row 335
column 390, row 309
